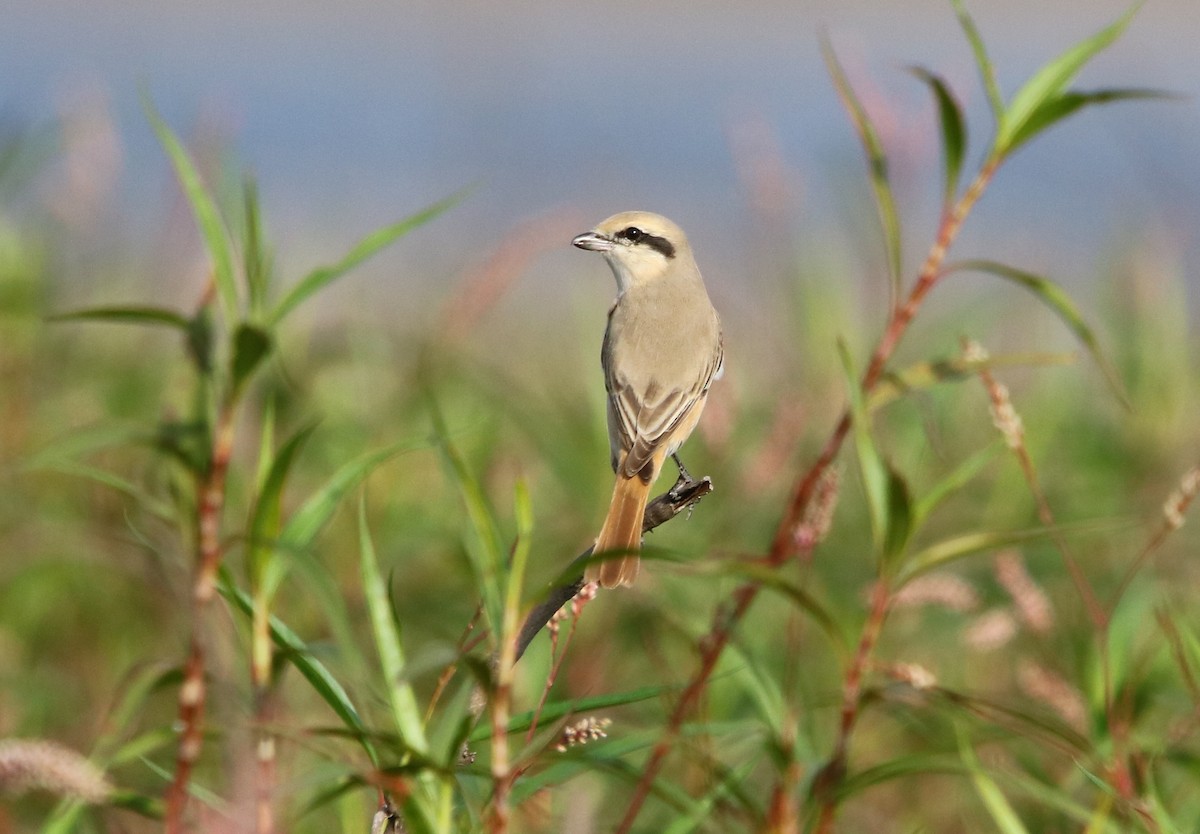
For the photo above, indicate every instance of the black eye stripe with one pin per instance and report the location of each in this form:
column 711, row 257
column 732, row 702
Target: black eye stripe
column 640, row 237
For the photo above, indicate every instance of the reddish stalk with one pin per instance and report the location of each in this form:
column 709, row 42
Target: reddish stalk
column 585, row 595
column 835, row 768
column 1001, row 405
column 192, row 692
column 785, row 544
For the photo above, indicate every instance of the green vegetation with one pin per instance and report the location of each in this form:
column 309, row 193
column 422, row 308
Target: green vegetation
column 269, row 569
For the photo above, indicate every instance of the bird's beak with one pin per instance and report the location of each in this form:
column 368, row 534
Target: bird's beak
column 593, row 242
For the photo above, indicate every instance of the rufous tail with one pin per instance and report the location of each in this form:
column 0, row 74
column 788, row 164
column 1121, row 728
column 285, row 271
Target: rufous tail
column 622, row 532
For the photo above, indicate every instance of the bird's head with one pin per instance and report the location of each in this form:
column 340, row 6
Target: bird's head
column 639, row 246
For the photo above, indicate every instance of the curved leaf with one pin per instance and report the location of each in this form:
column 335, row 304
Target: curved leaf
column 1050, row 81
column 1059, row 107
column 297, row 652
column 208, row 219
column 133, row 314
column 885, row 203
column 954, row 130
column 368, row 246
column 987, row 70
column 403, row 700
column 1054, row 297
column 265, row 518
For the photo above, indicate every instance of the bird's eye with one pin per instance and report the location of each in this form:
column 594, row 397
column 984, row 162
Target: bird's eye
column 632, row 234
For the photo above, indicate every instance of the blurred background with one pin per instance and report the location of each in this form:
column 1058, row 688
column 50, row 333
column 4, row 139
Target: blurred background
column 352, row 115
column 719, row 115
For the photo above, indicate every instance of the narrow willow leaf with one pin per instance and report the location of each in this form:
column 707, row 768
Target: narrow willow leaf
column 956, row 479
column 699, row 815
column 968, row 544
column 484, row 544
column 251, row 345
column 987, row 70
column 256, row 263
column 151, row 504
column 901, row 523
column 368, row 246
column 872, row 470
column 307, row 521
column 132, row 314
column 200, row 342
column 1054, row 297
column 1050, row 81
column 885, row 202
column 208, row 219
column 83, row 442
column 265, row 517
column 1057, row 108
column 920, row 376
column 954, row 131
column 405, row 712
column 555, row 710
column 297, row 652
column 904, row 767
column 772, row 580
column 997, row 804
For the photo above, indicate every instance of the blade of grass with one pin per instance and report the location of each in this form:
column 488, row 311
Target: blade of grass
column 954, row 132
column 1054, row 297
column 208, row 218
column 967, row 544
column 403, row 700
column 368, row 246
column 987, row 70
column 1059, row 107
column 994, row 800
column 1049, row 82
column 298, row 653
column 877, row 164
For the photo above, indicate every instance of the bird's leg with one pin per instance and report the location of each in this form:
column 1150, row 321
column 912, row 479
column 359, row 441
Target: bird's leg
column 683, row 471
column 683, row 481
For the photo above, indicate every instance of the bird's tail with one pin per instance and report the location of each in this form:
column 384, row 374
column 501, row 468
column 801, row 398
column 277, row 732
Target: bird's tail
column 622, row 532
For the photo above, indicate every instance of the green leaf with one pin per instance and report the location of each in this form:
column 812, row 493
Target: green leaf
column 1054, row 297
column 256, row 262
column 901, row 522
column 772, row 580
column 968, row 544
column 956, row 479
column 954, row 131
column 208, row 219
column 485, row 545
column 251, row 345
column 1057, row 108
column 885, row 203
column 265, row 519
column 297, row 652
column 307, row 521
column 987, row 70
column 405, row 712
column 200, row 341
column 133, row 314
column 920, row 376
column 1050, row 81
column 555, row 710
column 872, row 470
column 997, row 804
column 368, row 246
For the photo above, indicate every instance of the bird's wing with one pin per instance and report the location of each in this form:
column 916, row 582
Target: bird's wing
column 643, row 414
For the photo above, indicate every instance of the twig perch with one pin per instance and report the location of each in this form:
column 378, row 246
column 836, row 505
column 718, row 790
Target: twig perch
column 685, row 493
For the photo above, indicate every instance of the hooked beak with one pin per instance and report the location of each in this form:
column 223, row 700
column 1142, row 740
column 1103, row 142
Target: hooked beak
column 593, row 242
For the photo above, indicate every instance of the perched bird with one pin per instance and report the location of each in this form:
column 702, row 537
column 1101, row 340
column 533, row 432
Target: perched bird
column 662, row 350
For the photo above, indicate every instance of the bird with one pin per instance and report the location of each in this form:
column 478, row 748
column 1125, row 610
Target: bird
column 663, row 347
